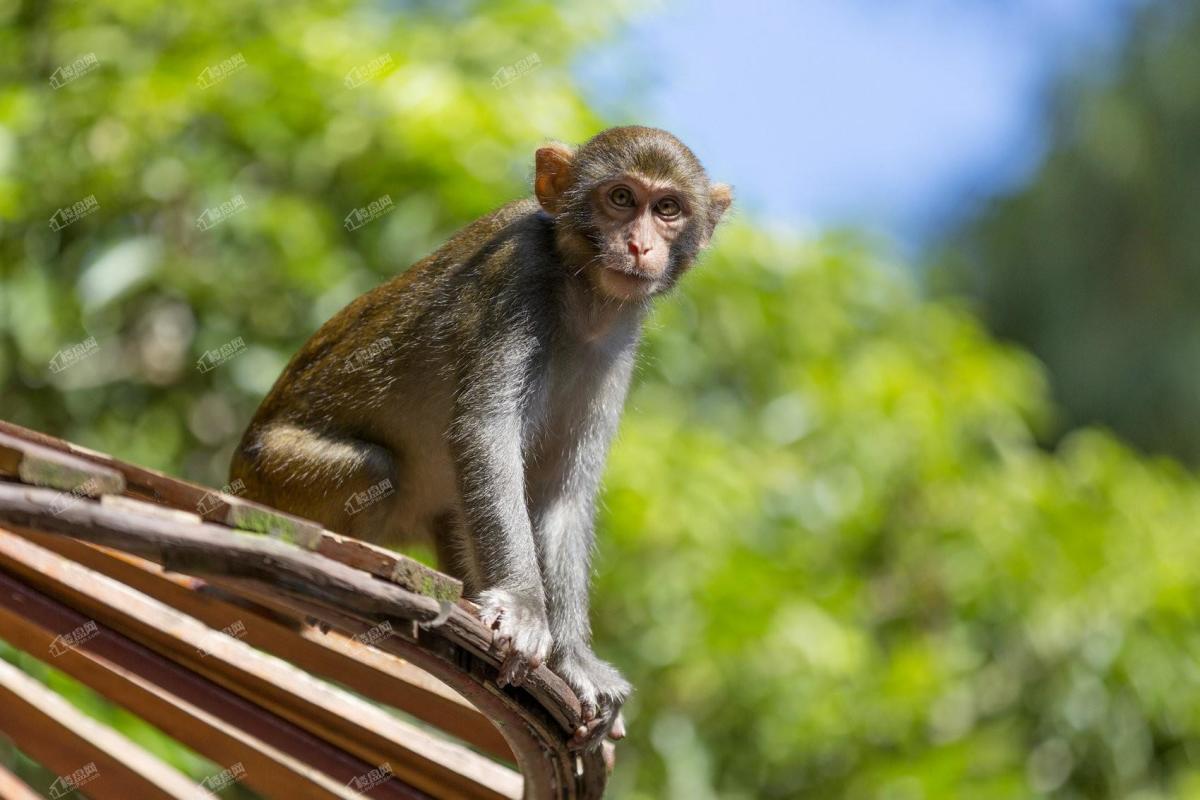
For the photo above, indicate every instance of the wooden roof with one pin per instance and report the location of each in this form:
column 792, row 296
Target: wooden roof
column 257, row 639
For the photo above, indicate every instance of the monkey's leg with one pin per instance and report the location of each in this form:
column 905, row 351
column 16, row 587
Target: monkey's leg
column 347, row 485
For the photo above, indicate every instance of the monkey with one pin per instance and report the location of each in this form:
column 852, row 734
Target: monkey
column 470, row 401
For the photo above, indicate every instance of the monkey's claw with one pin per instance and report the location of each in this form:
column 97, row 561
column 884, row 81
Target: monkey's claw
column 617, row 732
column 601, row 691
column 520, row 634
column 594, row 730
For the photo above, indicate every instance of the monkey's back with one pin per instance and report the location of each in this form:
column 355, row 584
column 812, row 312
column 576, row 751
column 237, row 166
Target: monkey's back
column 408, row 324
column 384, row 372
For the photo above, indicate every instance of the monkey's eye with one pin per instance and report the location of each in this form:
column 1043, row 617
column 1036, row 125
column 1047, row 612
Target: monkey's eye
column 622, row 197
column 667, row 207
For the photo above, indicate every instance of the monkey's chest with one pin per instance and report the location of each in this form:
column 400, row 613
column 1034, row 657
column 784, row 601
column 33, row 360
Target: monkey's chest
column 565, row 412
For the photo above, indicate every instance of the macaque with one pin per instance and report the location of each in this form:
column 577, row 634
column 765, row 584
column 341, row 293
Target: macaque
column 471, row 400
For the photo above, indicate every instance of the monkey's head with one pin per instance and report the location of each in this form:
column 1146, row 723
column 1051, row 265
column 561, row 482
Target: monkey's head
column 632, row 208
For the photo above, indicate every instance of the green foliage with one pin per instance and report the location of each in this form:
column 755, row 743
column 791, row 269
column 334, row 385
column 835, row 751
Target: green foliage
column 838, row 564
column 1095, row 265
column 833, row 559
column 290, row 136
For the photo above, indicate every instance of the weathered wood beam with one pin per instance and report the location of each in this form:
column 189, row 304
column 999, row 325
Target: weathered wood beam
column 208, row 549
column 82, row 751
column 437, row 766
column 452, row 645
column 224, row 507
column 278, row 759
column 351, row 662
column 214, row 551
column 535, row 734
column 39, row 465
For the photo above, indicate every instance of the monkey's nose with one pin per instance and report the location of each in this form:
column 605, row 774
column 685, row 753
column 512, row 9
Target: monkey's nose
column 634, row 249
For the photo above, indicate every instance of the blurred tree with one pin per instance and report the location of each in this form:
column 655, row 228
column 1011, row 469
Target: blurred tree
column 840, row 565
column 833, row 558
column 225, row 145
column 1095, row 265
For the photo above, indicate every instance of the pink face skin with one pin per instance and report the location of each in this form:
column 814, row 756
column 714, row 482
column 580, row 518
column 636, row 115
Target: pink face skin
column 639, row 218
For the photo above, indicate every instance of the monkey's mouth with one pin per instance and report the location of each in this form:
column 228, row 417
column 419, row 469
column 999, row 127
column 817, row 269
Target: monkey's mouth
column 631, row 272
column 626, row 267
column 626, row 282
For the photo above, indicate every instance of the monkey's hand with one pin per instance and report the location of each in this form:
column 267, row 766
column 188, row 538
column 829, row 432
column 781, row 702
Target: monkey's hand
column 520, row 633
column 601, row 691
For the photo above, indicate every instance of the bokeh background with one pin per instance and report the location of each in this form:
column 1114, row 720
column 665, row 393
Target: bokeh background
column 904, row 504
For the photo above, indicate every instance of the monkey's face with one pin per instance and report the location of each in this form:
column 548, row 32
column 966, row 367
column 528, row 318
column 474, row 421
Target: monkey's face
column 632, row 208
column 636, row 220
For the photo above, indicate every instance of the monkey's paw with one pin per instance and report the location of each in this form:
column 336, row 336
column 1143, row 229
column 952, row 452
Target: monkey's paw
column 520, row 633
column 601, row 691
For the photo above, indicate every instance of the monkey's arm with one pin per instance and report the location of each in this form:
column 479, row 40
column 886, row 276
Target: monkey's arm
column 563, row 486
column 486, row 435
column 565, row 528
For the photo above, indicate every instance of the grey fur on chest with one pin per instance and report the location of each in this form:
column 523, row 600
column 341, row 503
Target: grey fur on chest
column 580, row 381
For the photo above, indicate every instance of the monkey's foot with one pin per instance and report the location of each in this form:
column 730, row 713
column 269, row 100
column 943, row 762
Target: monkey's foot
column 601, row 691
column 520, row 634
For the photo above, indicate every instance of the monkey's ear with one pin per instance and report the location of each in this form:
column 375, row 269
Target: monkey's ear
column 720, row 198
column 552, row 174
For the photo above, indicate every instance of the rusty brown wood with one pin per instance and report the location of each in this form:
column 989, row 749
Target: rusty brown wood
column 68, row 742
column 333, row 655
column 383, row 563
column 533, row 732
column 550, row 696
column 236, row 512
column 13, row 788
column 39, row 465
column 63, row 446
column 217, row 552
column 278, row 758
column 209, row 549
column 437, row 766
column 536, row 720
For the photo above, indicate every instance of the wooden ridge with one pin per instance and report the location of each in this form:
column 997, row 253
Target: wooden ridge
column 196, row 595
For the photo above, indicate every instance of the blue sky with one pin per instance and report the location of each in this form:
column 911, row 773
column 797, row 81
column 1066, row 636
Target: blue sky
column 894, row 115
